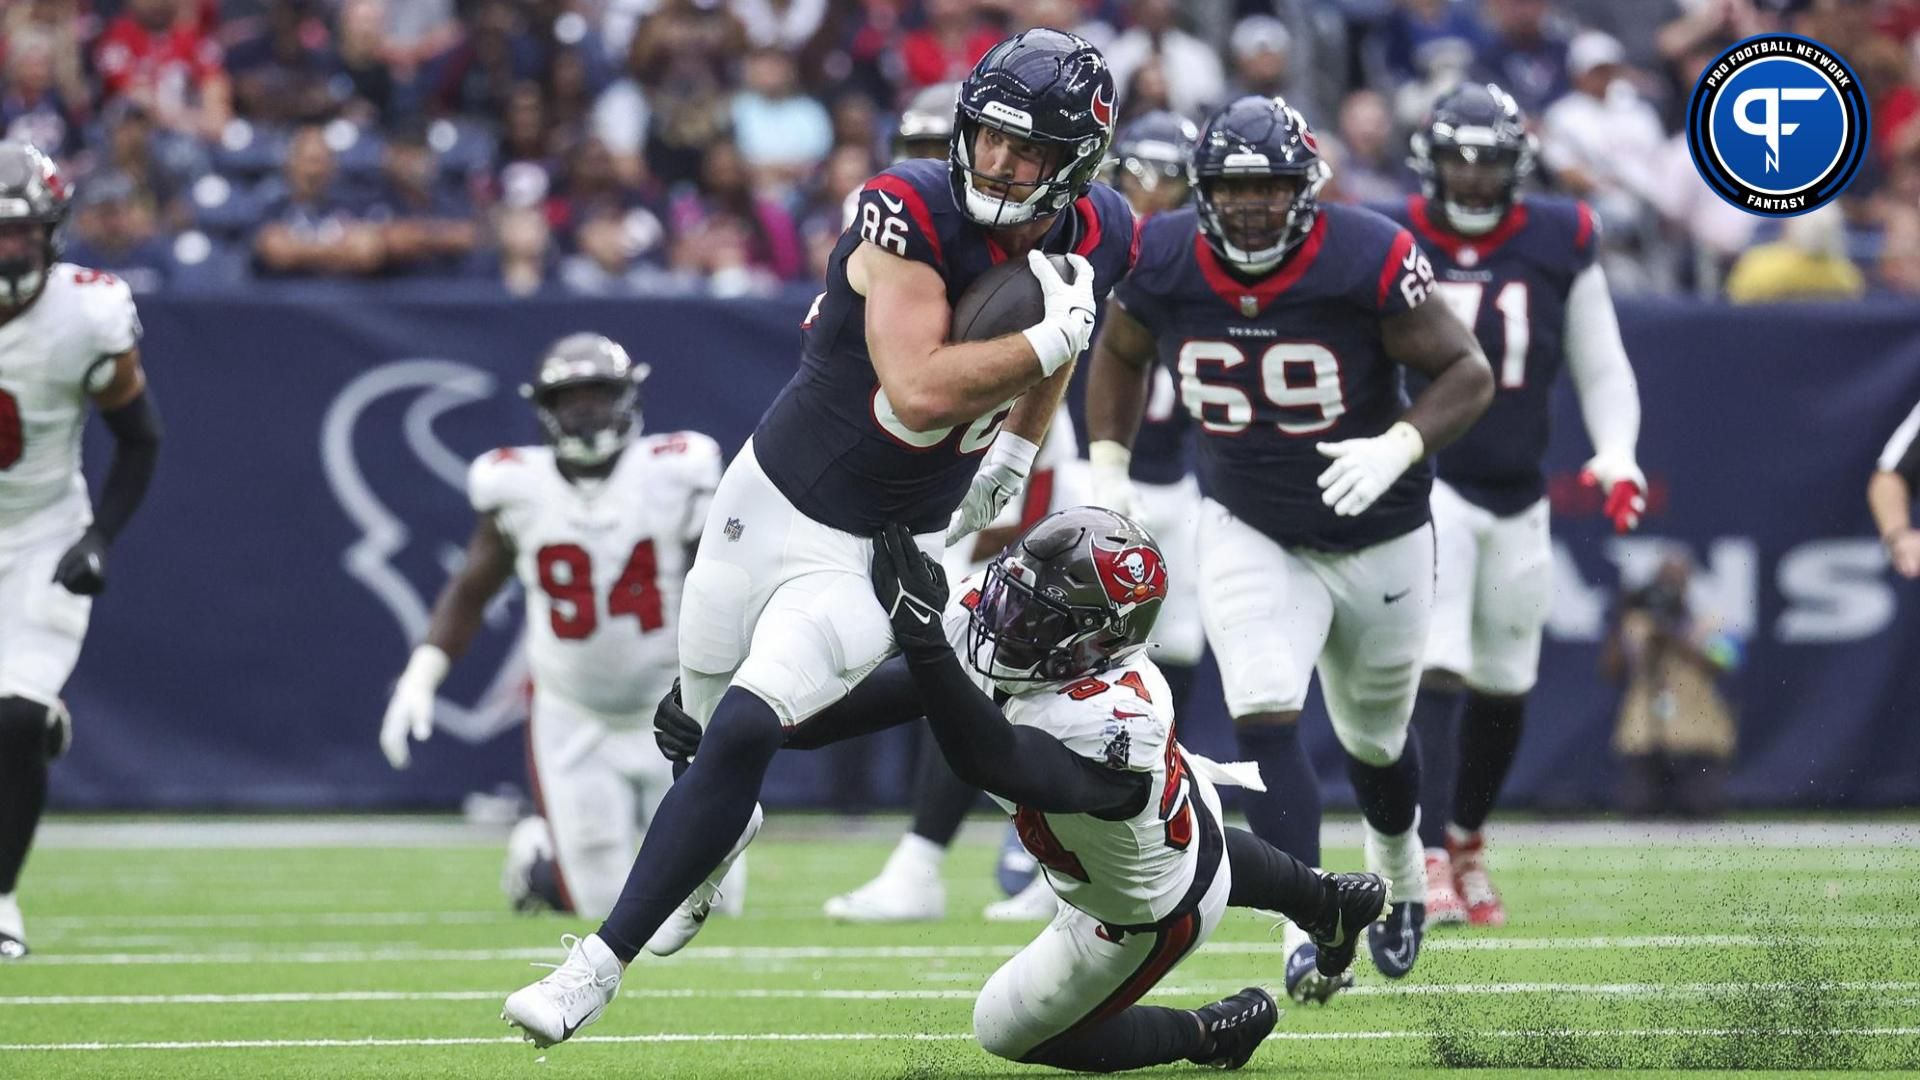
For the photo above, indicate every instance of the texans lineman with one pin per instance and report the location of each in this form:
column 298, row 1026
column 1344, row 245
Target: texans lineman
column 885, row 421
column 1520, row 270
column 599, row 525
column 1288, row 324
column 68, row 343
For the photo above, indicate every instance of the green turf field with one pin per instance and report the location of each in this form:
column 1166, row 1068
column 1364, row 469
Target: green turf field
column 1759, row 948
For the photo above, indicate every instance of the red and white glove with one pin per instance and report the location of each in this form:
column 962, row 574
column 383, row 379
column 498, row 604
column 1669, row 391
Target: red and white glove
column 1625, row 488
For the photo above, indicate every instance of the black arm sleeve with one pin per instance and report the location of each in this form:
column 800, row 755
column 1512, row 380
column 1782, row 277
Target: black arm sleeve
column 136, row 446
column 886, row 698
column 1021, row 764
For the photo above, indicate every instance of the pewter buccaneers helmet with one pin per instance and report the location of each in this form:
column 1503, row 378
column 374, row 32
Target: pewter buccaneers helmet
column 32, row 192
column 589, row 432
column 1075, row 595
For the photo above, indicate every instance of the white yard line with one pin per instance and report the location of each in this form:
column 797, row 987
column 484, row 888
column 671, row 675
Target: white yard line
column 867, row 1036
column 1728, row 839
column 261, row 953
column 1627, row 990
column 256, row 920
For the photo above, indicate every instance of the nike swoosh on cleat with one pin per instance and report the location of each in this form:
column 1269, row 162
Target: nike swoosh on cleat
column 1339, row 933
column 1394, row 598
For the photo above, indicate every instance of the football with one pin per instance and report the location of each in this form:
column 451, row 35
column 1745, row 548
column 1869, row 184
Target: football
column 1004, row 300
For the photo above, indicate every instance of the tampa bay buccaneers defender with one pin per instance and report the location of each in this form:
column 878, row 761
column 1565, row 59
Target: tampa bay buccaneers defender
column 68, row 344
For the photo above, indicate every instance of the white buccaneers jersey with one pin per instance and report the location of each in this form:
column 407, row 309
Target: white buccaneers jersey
column 602, row 563
column 1124, row 873
column 52, row 356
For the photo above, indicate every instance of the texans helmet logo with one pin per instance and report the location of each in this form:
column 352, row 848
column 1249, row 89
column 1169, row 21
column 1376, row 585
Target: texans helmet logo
column 1306, row 136
column 1103, row 106
column 1132, row 575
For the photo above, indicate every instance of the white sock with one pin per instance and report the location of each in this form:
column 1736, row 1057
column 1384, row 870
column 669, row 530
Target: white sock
column 916, row 856
column 596, row 953
column 1402, row 860
column 1291, row 936
column 11, row 923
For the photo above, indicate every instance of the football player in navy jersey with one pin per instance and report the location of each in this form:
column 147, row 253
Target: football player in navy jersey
column 1149, row 168
column 885, row 421
column 1287, row 323
column 1520, row 270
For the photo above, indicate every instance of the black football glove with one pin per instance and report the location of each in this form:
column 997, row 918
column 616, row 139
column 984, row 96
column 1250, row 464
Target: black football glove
column 913, row 590
column 677, row 733
column 83, row 569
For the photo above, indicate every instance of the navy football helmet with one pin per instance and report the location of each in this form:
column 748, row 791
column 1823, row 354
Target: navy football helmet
column 33, row 194
column 1155, row 149
column 1047, row 87
column 1472, row 155
column 587, row 429
column 1075, row 595
column 1257, row 137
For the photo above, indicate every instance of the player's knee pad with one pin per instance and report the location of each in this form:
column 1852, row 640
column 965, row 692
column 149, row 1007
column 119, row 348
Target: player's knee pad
column 996, row 1032
column 713, row 637
column 30, row 727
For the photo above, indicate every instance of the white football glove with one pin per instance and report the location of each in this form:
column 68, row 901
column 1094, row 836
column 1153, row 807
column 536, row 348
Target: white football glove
column 1624, row 505
column 1068, row 326
column 1002, row 475
column 410, row 711
column 1363, row 469
column 1109, row 466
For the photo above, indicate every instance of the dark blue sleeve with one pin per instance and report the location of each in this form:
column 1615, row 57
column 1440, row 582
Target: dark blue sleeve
column 1586, row 236
column 895, row 214
column 1390, row 273
column 1109, row 238
column 1143, row 291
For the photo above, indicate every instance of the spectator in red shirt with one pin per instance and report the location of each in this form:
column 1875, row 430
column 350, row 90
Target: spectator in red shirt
column 947, row 47
column 156, row 55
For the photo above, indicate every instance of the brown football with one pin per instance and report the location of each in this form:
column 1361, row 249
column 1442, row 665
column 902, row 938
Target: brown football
column 1004, row 300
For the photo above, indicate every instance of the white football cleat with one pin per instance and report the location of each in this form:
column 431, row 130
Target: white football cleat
column 570, row 997
column 908, row 889
column 13, row 929
column 691, row 915
column 1035, row 903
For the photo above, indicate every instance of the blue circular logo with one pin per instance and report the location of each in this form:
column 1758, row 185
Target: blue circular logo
column 1777, row 125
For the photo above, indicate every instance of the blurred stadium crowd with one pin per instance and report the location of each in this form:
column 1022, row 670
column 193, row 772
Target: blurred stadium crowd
column 615, row 147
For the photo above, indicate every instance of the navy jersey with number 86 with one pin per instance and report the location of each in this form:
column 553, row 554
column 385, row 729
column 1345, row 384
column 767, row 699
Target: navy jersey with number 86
column 831, row 441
